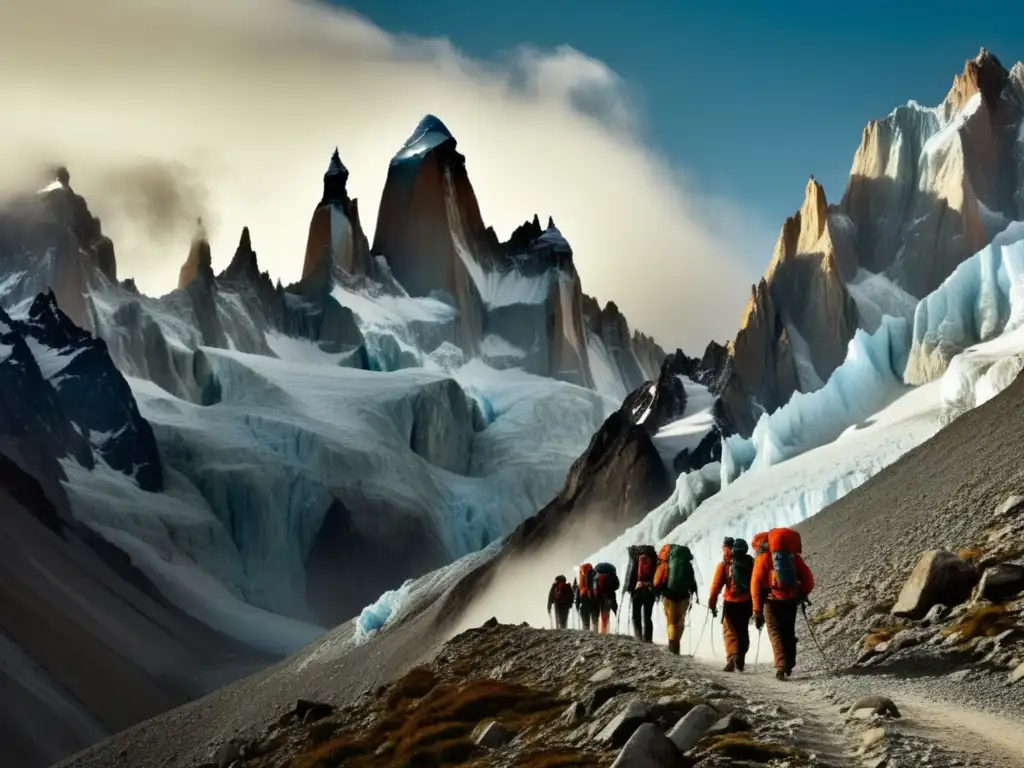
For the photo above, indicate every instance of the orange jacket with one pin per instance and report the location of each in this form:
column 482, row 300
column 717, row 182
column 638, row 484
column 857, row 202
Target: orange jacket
column 722, row 579
column 761, row 586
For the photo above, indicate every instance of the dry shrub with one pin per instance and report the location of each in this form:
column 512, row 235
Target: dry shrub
column 427, row 724
column 881, row 633
column 983, row 620
column 971, row 554
column 832, row 612
column 740, row 746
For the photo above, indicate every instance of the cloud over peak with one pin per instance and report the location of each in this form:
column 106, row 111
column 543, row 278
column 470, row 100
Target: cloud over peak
column 165, row 110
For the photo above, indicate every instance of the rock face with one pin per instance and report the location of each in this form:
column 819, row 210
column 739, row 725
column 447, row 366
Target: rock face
column 429, row 226
column 335, row 234
column 92, row 392
column 928, row 188
column 938, row 577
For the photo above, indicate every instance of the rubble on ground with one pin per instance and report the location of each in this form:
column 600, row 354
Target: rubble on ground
column 956, row 613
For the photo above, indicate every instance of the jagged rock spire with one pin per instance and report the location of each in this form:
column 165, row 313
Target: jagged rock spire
column 551, row 222
column 335, row 181
column 536, row 221
column 200, row 260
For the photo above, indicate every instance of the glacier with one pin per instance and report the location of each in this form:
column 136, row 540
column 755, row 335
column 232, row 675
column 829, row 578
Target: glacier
column 983, row 298
column 868, row 380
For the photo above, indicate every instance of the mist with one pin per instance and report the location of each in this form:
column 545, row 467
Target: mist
column 165, row 111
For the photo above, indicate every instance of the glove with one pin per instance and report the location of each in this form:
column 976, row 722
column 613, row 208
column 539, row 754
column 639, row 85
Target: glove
column 714, row 610
column 759, row 621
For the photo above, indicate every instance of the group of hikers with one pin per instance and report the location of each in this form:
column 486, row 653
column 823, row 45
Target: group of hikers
column 769, row 586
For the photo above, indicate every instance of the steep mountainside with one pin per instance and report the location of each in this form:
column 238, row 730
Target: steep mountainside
column 928, row 188
column 248, row 454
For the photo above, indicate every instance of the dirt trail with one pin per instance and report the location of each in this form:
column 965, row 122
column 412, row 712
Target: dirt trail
column 967, row 736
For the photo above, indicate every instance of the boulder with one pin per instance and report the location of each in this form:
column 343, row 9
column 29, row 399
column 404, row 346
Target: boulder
column 938, row 577
column 649, row 748
column 728, row 724
column 877, row 705
column 1017, row 674
column 1001, row 582
column 573, row 714
column 689, row 730
column 605, row 693
column 1012, row 507
column 495, row 735
column 603, row 674
column 624, row 724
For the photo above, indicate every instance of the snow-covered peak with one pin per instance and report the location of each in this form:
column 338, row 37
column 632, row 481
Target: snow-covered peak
column 552, row 238
column 429, row 134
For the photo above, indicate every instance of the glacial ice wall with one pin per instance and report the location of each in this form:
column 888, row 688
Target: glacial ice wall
column 983, row 298
column 868, row 380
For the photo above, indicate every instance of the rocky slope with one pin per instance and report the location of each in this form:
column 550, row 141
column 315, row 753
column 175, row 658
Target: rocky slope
column 928, row 188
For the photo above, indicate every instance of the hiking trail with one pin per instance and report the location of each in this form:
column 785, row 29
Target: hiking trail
column 965, row 736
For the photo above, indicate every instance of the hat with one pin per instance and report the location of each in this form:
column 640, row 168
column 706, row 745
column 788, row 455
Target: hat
column 728, row 541
column 739, row 546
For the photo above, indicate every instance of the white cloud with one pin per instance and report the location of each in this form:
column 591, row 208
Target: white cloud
column 231, row 109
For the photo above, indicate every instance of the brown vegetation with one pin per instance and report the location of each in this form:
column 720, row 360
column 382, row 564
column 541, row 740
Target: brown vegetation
column 741, row 746
column 983, row 620
column 431, row 724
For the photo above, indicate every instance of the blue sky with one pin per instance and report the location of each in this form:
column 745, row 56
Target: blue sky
column 751, row 97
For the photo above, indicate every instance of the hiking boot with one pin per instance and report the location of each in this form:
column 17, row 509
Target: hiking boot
column 788, row 671
column 730, row 665
column 780, row 674
column 673, row 647
column 741, row 664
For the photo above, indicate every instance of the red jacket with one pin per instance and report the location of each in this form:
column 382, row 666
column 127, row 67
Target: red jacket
column 762, row 584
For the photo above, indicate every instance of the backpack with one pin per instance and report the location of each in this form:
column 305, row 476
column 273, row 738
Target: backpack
column 741, row 569
column 584, row 580
column 605, row 580
column 784, row 544
column 563, row 592
column 677, row 579
column 643, row 560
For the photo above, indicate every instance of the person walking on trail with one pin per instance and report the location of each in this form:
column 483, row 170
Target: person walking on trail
column 586, row 604
column 675, row 583
column 780, row 583
column 560, row 597
column 733, row 575
column 643, row 562
column 604, row 584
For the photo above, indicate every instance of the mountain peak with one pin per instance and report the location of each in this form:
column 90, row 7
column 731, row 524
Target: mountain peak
column 983, row 74
column 335, row 181
column 429, row 134
column 200, row 260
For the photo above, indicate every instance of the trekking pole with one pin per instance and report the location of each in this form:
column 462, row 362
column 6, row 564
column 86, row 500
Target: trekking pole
column 814, row 638
column 757, row 654
column 701, row 635
column 551, row 621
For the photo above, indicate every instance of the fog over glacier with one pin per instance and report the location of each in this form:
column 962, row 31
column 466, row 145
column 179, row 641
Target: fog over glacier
column 229, row 110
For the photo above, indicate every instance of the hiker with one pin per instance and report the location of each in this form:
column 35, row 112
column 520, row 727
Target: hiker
column 675, row 583
column 561, row 597
column 733, row 574
column 780, row 583
column 604, row 583
column 585, row 603
column 643, row 562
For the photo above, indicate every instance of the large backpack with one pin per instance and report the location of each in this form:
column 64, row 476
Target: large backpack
column 643, row 561
column 604, row 579
column 784, row 544
column 563, row 592
column 741, row 569
column 586, row 570
column 677, row 580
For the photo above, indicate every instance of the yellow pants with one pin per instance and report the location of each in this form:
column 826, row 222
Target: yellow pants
column 675, row 618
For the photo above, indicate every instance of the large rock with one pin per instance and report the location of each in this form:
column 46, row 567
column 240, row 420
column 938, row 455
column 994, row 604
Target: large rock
column 1001, row 582
column 938, row 577
column 691, row 728
column 648, row 747
column 624, row 724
